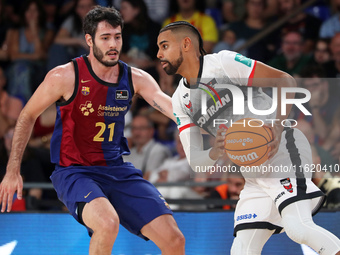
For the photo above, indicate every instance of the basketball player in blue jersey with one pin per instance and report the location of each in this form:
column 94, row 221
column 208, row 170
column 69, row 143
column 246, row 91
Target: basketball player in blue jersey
column 93, row 94
column 267, row 204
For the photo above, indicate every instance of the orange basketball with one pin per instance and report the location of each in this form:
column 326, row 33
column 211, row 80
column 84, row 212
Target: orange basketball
column 246, row 142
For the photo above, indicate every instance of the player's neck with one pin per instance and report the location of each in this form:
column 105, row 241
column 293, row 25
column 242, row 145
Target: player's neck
column 106, row 73
column 190, row 70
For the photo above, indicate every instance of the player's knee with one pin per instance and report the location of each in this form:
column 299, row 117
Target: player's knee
column 178, row 240
column 295, row 229
column 108, row 226
column 236, row 248
column 175, row 243
column 240, row 248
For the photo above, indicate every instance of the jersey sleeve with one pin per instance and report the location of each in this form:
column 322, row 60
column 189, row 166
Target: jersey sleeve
column 237, row 67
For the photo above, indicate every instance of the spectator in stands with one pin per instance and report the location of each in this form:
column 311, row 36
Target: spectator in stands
column 158, row 10
column 28, row 51
column 4, row 36
column 139, row 37
column 229, row 42
column 333, row 67
column 321, row 52
column 253, row 22
column 70, row 39
column 319, row 154
column 147, row 154
column 332, row 142
column 173, row 169
column 292, row 60
column 188, row 11
column 331, row 26
column 4, row 122
column 230, row 190
column 57, row 11
column 233, row 10
column 12, row 10
column 327, row 181
column 322, row 104
column 31, row 169
column 39, row 142
column 177, row 169
column 322, row 160
column 10, row 106
column 307, row 25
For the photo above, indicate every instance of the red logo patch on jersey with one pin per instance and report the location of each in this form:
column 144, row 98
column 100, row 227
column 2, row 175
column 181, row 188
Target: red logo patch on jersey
column 85, row 90
column 287, row 184
column 189, row 106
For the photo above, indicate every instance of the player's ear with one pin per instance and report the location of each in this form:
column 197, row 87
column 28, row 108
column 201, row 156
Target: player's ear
column 88, row 39
column 186, row 43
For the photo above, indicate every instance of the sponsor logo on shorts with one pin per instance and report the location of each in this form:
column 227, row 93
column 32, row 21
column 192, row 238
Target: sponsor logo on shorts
column 166, row 204
column 279, row 195
column 88, row 194
column 243, row 158
column 246, row 216
column 287, row 184
column 122, row 95
column 321, row 250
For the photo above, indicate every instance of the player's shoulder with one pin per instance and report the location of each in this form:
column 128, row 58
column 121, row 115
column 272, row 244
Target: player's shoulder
column 221, row 55
column 62, row 74
column 141, row 79
column 139, row 75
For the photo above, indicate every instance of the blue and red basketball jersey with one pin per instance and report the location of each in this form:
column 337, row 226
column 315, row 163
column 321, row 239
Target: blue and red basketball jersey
column 89, row 126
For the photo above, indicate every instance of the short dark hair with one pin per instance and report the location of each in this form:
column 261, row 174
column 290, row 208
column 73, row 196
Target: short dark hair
column 183, row 24
column 99, row 14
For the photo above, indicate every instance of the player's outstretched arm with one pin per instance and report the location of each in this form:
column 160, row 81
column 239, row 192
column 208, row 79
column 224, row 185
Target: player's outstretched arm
column 57, row 85
column 266, row 76
column 148, row 88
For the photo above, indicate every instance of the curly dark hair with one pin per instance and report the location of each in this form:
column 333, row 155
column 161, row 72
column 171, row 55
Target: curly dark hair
column 99, row 14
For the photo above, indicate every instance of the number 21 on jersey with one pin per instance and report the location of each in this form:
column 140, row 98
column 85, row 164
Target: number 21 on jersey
column 102, row 125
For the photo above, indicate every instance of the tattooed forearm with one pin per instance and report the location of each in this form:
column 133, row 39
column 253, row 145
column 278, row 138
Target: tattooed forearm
column 155, row 105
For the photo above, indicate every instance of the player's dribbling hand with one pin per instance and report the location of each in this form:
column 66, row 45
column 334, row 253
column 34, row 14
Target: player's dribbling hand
column 8, row 186
column 218, row 148
column 274, row 145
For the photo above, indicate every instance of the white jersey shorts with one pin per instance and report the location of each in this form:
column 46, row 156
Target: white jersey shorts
column 283, row 180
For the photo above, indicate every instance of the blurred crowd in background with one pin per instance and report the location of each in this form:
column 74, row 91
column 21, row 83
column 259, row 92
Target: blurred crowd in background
column 37, row 35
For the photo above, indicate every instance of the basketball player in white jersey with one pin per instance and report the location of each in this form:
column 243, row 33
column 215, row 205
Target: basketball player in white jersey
column 268, row 203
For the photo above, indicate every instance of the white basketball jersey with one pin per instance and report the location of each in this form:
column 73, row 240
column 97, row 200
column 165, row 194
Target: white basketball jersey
column 216, row 71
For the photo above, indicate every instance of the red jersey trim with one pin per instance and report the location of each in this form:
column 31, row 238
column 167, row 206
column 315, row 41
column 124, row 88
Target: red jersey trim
column 251, row 76
column 186, row 126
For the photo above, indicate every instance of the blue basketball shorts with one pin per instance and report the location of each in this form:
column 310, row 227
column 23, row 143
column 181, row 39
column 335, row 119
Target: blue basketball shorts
column 136, row 200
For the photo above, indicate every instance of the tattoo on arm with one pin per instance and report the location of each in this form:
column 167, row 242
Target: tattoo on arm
column 157, row 106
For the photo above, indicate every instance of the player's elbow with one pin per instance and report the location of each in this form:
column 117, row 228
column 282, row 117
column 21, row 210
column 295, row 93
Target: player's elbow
column 286, row 80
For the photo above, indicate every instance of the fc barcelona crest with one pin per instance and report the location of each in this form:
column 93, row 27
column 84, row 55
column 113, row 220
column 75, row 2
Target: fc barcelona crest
column 85, row 90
